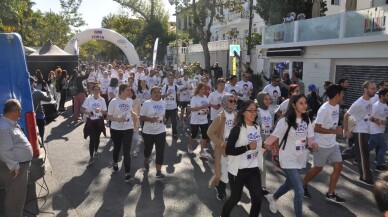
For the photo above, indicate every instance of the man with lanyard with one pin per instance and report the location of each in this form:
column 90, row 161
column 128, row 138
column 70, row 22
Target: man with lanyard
column 15, row 157
column 273, row 90
column 169, row 94
column 361, row 110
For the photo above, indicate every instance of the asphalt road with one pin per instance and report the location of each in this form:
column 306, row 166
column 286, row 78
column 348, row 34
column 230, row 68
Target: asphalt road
column 77, row 189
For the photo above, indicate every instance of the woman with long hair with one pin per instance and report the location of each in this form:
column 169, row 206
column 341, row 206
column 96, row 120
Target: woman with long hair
column 63, row 89
column 143, row 91
column 293, row 89
column 136, row 109
column 113, row 89
column 244, row 154
column 199, row 110
column 121, row 115
column 94, row 107
column 218, row 133
column 51, row 83
column 58, row 85
column 296, row 134
column 40, row 83
column 154, row 130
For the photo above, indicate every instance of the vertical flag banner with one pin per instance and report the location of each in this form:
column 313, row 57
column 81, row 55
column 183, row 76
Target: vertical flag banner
column 76, row 49
column 155, row 52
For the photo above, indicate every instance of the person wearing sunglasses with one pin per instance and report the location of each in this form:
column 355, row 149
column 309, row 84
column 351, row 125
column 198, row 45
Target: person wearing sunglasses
column 243, row 151
column 218, row 133
column 273, row 90
column 215, row 98
column 95, row 108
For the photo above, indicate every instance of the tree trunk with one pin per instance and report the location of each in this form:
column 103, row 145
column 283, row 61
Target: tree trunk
column 206, row 54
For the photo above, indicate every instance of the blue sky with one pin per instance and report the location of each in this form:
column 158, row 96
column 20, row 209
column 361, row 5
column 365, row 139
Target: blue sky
column 92, row 10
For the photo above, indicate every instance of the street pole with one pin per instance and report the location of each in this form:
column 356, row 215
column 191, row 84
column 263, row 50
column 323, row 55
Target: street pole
column 250, row 29
column 176, row 33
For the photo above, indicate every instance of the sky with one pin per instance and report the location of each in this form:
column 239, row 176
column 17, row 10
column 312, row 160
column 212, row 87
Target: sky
column 92, row 10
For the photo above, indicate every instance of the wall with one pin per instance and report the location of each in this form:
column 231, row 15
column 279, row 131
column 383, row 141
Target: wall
column 215, row 56
column 335, row 9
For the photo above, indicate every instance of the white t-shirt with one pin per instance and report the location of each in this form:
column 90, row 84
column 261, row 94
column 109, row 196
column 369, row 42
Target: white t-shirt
column 274, row 92
column 327, row 116
column 199, row 117
column 294, row 155
column 374, row 99
column 266, row 122
column 249, row 158
column 170, row 99
column 119, row 108
column 246, row 89
column 361, row 110
column 151, row 109
column 91, row 104
column 144, row 95
column 229, row 124
column 92, row 77
column 185, row 90
column 196, row 79
column 380, row 111
column 284, row 105
column 151, row 81
column 215, row 98
column 114, row 90
column 233, row 89
column 122, row 81
column 114, row 74
column 104, row 82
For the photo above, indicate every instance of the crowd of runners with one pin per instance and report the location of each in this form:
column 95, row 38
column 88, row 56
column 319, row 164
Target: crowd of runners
column 284, row 122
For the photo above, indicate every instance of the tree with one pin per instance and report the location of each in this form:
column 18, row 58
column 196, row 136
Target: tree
column 156, row 24
column 273, row 12
column 71, row 14
column 323, row 8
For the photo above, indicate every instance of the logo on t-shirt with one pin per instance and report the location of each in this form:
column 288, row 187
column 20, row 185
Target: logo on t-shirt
column 301, row 129
column 253, row 136
column 157, row 108
column 124, row 107
column 229, row 123
column 96, row 105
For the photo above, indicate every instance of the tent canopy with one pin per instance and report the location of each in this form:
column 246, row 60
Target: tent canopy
column 49, row 49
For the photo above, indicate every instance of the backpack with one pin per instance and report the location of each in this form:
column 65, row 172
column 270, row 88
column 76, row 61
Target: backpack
column 73, row 87
column 176, row 92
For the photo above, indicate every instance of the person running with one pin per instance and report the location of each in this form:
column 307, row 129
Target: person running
column 244, row 154
column 63, row 90
column 377, row 128
column 95, row 108
column 199, row 110
column 296, row 133
column 266, row 121
column 292, row 90
column 326, row 129
column 233, row 88
column 135, row 147
column 218, row 133
column 185, row 92
column 361, row 110
column 154, row 130
column 215, row 98
column 104, row 82
column 143, row 92
column 273, row 90
column 246, row 88
column 113, row 89
column 121, row 114
column 170, row 95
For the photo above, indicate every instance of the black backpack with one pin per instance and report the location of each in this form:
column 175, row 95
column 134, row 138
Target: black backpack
column 176, row 92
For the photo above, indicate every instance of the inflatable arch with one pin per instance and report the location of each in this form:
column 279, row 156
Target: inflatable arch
column 103, row 34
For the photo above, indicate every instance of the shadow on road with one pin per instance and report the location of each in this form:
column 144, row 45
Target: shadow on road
column 146, row 201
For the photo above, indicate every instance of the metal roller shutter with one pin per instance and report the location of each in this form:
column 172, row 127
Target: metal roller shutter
column 357, row 75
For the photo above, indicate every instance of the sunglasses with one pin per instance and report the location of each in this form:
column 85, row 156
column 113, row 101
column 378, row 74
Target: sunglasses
column 232, row 101
column 251, row 111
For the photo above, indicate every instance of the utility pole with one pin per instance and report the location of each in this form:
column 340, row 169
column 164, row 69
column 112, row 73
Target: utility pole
column 250, row 29
column 172, row 2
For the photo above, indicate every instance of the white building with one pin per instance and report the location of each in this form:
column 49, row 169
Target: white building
column 338, row 6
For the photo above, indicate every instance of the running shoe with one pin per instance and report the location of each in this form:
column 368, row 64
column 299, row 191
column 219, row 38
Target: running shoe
column 190, row 150
column 272, row 203
column 264, row 191
column 95, row 155
column 306, row 193
column 128, row 178
column 159, row 174
column 219, row 195
column 115, row 167
column 203, row 154
column 91, row 161
column 381, row 168
column 367, row 182
column 335, row 198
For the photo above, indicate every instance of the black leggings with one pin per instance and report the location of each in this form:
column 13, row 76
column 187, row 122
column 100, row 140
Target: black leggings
column 250, row 178
column 122, row 138
column 40, row 123
column 94, row 137
column 195, row 129
column 63, row 99
column 172, row 114
column 160, row 141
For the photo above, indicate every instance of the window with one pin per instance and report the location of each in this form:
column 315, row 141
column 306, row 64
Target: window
column 335, row 2
column 255, row 30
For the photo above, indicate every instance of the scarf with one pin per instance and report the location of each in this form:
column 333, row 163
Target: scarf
column 260, row 100
column 224, row 103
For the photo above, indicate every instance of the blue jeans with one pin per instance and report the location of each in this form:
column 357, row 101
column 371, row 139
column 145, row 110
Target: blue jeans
column 293, row 181
column 378, row 141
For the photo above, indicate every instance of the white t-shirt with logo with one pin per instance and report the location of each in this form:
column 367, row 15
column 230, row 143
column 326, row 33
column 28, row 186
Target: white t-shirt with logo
column 361, row 110
column 123, row 81
column 91, row 104
column 151, row 81
column 380, row 111
column 170, row 99
column 92, row 77
column 144, row 95
column 114, row 74
column 246, row 89
column 233, row 89
column 199, row 117
column 119, row 108
column 229, row 124
column 104, row 82
column 249, row 158
column 294, row 155
column 215, row 98
column 284, row 105
column 114, row 90
column 185, row 90
column 274, row 92
column 151, row 109
column 327, row 117
column 266, row 122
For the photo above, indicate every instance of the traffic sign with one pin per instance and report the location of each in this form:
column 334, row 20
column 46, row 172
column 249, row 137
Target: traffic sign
column 232, row 48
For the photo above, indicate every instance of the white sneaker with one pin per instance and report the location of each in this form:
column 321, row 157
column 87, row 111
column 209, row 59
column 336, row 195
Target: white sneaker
column 203, row 154
column 190, row 150
column 272, row 203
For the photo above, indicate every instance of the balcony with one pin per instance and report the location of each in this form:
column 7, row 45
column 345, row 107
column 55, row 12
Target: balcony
column 172, row 50
column 349, row 27
column 217, row 45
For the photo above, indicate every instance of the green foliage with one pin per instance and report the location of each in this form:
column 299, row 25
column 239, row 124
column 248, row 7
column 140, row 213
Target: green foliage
column 273, row 12
column 71, row 14
column 256, row 39
column 100, row 50
column 323, row 8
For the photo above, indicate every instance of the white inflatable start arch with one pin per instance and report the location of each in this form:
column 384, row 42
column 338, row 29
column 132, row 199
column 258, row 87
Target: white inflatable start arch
column 103, row 34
